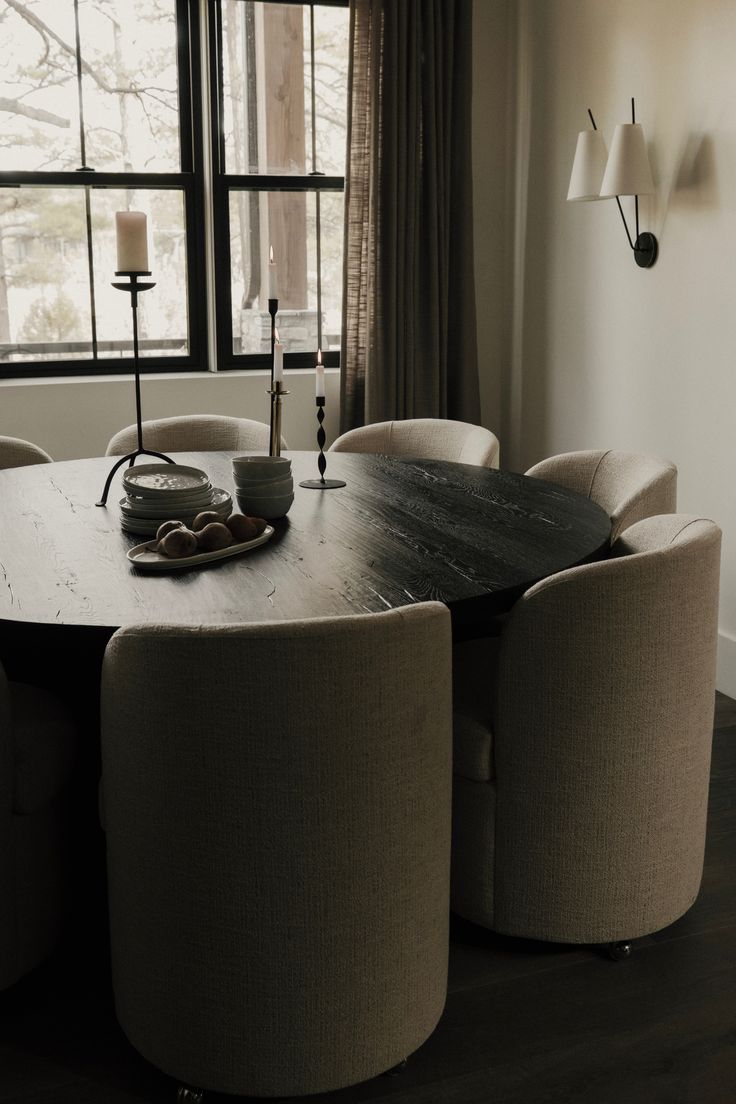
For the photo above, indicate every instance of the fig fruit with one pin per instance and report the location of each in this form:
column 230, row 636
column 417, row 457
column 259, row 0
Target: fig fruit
column 177, row 543
column 205, row 518
column 241, row 527
column 260, row 525
column 167, row 527
column 213, row 537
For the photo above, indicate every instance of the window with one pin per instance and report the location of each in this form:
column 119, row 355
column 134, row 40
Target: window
column 97, row 111
column 102, row 109
column 279, row 94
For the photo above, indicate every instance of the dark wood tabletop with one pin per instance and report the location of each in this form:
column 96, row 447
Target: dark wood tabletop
column 401, row 531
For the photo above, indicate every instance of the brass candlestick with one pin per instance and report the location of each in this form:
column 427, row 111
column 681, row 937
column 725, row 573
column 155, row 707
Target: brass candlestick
column 276, row 391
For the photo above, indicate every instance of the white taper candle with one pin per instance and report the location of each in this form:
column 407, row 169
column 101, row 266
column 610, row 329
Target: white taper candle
column 278, row 360
column 273, row 283
column 320, row 377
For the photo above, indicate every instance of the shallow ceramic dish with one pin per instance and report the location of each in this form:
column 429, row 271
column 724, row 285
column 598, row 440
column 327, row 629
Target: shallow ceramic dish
column 217, row 500
column 152, row 480
column 146, row 556
column 144, row 507
column 147, row 526
column 269, row 508
column 261, row 467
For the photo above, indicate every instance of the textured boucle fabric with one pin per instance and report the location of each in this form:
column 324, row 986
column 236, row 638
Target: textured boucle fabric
column 194, row 433
column 425, row 439
column 601, row 743
column 16, row 453
column 277, row 809
column 629, row 486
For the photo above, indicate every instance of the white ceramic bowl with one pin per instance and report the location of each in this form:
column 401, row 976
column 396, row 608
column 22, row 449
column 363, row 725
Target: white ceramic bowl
column 265, row 486
column 261, row 467
column 268, row 507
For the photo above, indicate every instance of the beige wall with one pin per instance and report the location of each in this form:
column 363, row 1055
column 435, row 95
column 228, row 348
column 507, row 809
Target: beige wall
column 608, row 354
column 71, row 418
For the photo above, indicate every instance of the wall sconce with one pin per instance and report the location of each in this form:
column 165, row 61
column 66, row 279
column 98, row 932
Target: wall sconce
column 597, row 174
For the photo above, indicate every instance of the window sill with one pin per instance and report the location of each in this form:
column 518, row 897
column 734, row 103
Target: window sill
column 126, row 377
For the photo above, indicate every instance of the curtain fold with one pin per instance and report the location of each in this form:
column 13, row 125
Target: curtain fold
column 409, row 339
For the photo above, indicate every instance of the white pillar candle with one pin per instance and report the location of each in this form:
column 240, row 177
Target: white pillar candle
column 278, row 360
column 132, row 237
column 320, row 377
column 273, row 283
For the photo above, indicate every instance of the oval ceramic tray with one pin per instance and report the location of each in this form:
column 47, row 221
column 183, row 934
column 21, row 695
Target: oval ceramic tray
column 146, row 556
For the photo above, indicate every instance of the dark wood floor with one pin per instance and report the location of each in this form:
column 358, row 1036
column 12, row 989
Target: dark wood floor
column 524, row 1024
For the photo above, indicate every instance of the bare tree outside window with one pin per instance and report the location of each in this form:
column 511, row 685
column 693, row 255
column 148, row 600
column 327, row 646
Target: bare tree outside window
column 284, row 77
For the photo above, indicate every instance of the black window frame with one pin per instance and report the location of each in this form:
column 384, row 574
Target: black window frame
column 223, row 184
column 189, row 181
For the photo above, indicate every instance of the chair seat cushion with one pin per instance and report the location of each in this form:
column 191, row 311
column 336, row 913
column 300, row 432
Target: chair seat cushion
column 44, row 747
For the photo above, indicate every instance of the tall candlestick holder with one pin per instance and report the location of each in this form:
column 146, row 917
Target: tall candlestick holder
column 276, row 390
column 322, row 484
column 133, row 286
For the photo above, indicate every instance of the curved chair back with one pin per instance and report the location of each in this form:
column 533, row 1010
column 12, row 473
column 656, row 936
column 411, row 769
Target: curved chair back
column 17, row 453
column 277, row 809
column 629, row 486
column 425, row 439
column 194, row 433
column 602, row 738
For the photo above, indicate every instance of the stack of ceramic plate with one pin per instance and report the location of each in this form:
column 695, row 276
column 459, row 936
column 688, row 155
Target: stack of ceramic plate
column 159, row 492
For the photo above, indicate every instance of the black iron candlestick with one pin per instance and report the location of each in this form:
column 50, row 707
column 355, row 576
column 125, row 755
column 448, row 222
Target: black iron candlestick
column 133, row 285
column 322, row 484
column 274, row 441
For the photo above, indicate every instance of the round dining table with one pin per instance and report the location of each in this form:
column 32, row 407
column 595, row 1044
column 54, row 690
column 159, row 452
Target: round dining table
column 400, row 531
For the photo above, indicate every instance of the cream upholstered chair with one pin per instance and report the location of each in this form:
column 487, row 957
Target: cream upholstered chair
column 425, row 439
column 194, row 433
column 580, row 796
column 277, row 809
column 37, row 752
column 17, row 453
column 628, row 485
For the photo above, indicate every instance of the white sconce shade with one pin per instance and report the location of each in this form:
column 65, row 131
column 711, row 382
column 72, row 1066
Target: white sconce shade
column 588, row 166
column 628, row 171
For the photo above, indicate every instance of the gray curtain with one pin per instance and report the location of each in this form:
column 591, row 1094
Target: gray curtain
column 409, row 341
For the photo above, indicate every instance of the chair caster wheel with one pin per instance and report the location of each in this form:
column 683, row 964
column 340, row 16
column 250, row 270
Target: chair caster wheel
column 398, row 1069
column 188, row 1095
column 618, row 951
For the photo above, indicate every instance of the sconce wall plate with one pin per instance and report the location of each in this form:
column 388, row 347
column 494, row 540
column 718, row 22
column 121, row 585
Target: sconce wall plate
column 645, row 250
